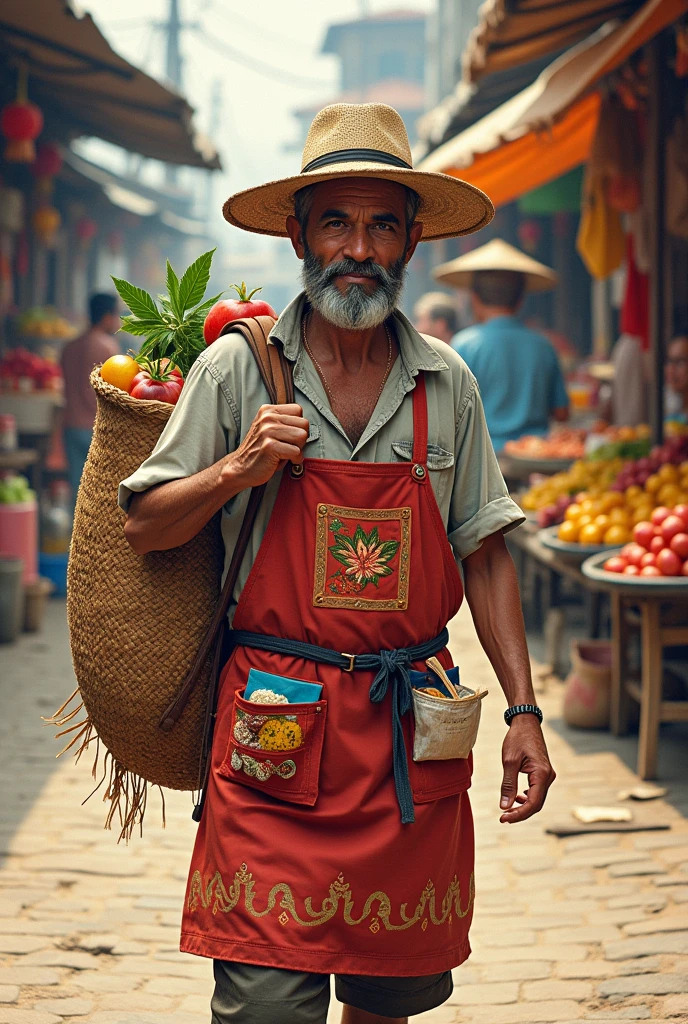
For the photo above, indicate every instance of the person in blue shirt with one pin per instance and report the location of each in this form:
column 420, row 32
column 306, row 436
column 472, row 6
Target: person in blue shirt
column 517, row 369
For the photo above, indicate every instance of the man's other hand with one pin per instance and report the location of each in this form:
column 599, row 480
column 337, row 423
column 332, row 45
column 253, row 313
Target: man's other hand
column 524, row 751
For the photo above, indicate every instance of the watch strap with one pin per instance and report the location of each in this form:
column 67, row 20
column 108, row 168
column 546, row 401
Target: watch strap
column 522, row 709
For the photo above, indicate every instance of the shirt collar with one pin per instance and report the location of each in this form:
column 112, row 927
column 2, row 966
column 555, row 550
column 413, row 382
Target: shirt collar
column 416, row 353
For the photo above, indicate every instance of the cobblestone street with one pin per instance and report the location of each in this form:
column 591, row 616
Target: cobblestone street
column 592, row 927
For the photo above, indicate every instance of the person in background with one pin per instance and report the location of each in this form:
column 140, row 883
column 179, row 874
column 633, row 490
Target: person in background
column 676, row 376
column 79, row 357
column 630, row 383
column 517, row 369
column 435, row 313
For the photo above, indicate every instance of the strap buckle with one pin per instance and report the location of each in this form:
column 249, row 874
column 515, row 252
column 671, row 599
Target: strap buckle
column 352, row 661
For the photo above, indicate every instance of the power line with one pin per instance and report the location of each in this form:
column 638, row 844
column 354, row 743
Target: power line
column 260, row 67
column 261, row 30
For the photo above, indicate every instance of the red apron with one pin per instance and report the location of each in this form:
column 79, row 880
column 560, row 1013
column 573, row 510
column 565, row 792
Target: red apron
column 301, row 860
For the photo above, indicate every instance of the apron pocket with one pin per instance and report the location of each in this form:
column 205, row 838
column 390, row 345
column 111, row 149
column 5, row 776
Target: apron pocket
column 276, row 748
column 435, row 775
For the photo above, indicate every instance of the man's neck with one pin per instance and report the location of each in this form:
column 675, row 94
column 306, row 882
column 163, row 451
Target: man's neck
column 492, row 312
column 345, row 349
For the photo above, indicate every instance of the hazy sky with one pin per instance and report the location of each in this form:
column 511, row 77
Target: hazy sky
column 256, row 122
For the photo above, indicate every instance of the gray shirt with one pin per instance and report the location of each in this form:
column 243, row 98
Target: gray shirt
column 224, row 391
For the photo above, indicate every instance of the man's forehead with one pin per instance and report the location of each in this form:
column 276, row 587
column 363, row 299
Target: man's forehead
column 376, row 192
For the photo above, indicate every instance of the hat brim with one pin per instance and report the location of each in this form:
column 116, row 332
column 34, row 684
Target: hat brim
column 464, row 279
column 449, row 206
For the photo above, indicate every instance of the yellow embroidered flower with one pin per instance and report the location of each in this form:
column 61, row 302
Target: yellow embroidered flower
column 280, row 734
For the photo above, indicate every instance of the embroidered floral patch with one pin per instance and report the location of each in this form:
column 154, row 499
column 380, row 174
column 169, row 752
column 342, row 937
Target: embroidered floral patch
column 262, row 770
column 267, row 732
column 362, row 558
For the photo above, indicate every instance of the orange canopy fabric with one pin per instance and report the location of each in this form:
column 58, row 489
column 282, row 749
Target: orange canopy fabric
column 518, row 167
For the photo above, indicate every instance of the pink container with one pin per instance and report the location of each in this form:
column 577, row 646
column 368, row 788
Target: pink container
column 19, row 536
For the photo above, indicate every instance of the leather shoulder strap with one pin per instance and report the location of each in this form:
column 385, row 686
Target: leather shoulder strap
column 276, row 371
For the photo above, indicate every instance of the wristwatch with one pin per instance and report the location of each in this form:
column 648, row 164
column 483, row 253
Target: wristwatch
column 522, row 709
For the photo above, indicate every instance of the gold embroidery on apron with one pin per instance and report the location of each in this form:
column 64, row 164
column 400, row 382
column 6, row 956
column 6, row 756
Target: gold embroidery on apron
column 216, row 897
column 356, row 549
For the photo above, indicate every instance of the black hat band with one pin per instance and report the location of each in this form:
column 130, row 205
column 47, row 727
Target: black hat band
column 342, row 156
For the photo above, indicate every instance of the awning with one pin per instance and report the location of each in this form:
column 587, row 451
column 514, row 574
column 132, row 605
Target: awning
column 513, row 32
column 548, row 128
column 85, row 88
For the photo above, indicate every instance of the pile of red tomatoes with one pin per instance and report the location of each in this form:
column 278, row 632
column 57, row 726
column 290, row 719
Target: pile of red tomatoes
column 659, row 547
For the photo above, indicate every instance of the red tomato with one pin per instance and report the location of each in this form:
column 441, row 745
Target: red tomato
column 631, row 570
column 643, row 534
column 684, row 570
column 633, row 553
column 679, row 545
column 656, row 544
column 650, row 570
column 668, row 563
column 682, row 511
column 648, row 559
column 671, row 526
column 168, row 367
column 157, row 390
column 227, row 310
column 660, row 514
column 615, row 564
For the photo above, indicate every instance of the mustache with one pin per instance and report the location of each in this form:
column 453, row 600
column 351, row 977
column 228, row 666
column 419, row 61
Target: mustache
column 368, row 268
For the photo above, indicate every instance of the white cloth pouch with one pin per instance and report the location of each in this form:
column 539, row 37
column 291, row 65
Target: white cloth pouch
column 444, row 728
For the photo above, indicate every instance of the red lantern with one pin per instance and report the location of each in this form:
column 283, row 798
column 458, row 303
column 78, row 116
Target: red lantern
column 86, row 230
column 21, row 122
column 47, row 164
column 529, row 234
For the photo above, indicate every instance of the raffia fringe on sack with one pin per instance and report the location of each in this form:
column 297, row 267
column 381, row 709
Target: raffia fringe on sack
column 126, row 792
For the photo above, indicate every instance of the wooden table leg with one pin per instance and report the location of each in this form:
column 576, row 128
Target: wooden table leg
column 618, row 717
column 651, row 689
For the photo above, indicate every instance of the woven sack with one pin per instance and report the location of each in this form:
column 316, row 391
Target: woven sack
column 135, row 622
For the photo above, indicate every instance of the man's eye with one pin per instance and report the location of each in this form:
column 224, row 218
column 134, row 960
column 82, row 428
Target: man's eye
column 335, row 223
column 384, row 227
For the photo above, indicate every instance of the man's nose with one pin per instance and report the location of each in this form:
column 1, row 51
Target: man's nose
column 358, row 245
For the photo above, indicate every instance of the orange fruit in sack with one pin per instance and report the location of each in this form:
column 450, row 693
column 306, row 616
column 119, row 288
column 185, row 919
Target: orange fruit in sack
column 119, row 371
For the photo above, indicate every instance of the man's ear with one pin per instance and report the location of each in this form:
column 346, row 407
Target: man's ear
column 296, row 235
column 414, row 237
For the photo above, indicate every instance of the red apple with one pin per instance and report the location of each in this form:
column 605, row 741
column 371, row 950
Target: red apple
column 615, row 564
column 671, row 526
column 656, row 544
column 660, row 514
column 679, row 545
column 631, row 570
column 668, row 563
column 234, row 309
column 650, row 570
column 648, row 559
column 643, row 534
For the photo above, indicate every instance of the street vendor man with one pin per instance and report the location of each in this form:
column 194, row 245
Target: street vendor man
column 325, row 848
column 517, row 369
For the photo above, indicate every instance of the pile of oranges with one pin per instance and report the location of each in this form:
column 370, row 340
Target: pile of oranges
column 609, row 517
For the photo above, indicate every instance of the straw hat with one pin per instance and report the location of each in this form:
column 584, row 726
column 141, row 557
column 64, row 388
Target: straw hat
column 496, row 255
column 363, row 140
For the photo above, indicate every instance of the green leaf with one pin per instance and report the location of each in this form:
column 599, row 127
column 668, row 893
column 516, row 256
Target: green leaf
column 173, row 290
column 138, row 300
column 195, row 281
column 134, row 325
column 374, row 536
column 360, row 535
column 388, row 549
column 205, row 306
column 385, row 571
column 340, row 555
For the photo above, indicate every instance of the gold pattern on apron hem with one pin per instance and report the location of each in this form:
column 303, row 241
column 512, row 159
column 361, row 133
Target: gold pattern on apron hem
column 216, row 897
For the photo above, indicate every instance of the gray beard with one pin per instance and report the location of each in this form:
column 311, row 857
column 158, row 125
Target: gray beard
column 356, row 310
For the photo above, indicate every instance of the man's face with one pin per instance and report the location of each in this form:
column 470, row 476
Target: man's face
column 355, row 249
column 676, row 366
column 110, row 323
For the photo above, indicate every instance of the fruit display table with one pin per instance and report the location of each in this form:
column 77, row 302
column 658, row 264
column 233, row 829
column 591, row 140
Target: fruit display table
column 658, row 609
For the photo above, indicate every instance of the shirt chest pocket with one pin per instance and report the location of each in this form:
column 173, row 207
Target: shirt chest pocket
column 440, row 464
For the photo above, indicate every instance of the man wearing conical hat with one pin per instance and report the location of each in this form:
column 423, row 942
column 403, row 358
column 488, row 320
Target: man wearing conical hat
column 517, row 369
column 336, row 836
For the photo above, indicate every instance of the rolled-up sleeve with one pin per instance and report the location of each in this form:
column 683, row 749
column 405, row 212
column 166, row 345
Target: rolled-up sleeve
column 201, row 430
column 480, row 503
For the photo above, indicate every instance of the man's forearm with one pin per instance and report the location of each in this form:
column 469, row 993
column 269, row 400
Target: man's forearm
column 494, row 600
column 170, row 514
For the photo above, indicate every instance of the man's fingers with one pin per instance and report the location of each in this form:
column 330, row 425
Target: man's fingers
column 509, row 784
column 289, row 409
column 532, row 802
column 287, row 452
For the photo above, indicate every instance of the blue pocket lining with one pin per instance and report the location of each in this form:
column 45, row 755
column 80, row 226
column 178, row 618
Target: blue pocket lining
column 296, row 691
